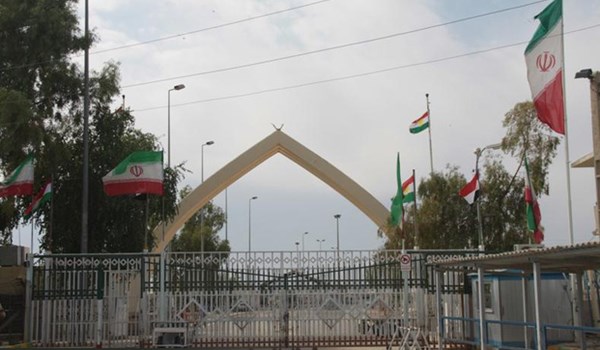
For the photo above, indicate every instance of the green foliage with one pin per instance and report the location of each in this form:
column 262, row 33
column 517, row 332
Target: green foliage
column 445, row 220
column 502, row 208
column 203, row 226
column 526, row 134
column 41, row 112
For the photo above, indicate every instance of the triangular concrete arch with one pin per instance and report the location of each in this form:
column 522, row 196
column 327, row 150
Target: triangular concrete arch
column 277, row 142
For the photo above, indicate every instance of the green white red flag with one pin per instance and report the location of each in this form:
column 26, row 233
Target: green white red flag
column 140, row 172
column 545, row 61
column 420, row 124
column 20, row 181
column 43, row 196
column 396, row 209
column 408, row 190
column 534, row 214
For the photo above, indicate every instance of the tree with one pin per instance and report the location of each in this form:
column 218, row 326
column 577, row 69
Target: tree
column 525, row 134
column 445, row 220
column 502, row 208
column 41, row 100
column 204, row 225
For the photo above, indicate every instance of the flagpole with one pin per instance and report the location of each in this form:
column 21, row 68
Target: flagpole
column 51, row 214
column 429, row 130
column 415, row 209
column 146, row 223
column 568, row 161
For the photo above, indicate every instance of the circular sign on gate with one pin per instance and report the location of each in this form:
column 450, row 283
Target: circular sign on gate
column 405, row 264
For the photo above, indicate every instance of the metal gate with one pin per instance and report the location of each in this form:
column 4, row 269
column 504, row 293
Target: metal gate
column 229, row 300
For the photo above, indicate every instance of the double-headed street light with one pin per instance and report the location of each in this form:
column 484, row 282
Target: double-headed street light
column 478, row 153
column 320, row 241
column 250, row 222
column 176, row 87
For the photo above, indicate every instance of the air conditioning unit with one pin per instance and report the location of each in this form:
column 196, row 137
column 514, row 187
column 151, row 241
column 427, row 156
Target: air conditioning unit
column 520, row 247
column 13, row 255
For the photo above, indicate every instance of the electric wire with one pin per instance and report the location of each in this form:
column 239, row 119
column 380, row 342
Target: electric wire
column 331, row 48
column 353, row 76
column 174, row 36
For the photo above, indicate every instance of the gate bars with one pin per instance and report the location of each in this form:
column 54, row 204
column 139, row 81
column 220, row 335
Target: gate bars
column 237, row 299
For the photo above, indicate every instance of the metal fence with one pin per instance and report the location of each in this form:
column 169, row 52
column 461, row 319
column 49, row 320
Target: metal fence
column 238, row 299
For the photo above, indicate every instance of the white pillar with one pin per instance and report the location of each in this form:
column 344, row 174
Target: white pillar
column 579, row 305
column 438, row 308
column 524, row 292
column 537, row 298
column 482, row 335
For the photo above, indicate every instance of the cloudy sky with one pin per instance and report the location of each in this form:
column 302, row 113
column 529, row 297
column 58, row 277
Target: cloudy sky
column 358, row 123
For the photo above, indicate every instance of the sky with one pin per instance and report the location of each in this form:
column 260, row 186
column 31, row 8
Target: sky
column 357, row 124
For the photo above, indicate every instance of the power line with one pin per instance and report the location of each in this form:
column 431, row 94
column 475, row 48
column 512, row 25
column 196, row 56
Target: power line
column 171, row 36
column 211, row 28
column 355, row 43
column 347, row 77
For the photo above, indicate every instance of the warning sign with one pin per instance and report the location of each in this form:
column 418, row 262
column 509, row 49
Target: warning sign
column 405, row 262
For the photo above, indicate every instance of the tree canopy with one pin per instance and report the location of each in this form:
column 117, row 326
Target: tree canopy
column 447, row 221
column 41, row 113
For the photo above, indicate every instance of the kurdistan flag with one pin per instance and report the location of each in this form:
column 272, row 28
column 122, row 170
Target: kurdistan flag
column 544, row 58
column 420, row 124
column 408, row 190
column 20, row 181
column 140, row 172
column 396, row 209
column 44, row 195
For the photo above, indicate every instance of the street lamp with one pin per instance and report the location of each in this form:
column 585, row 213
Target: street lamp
column 305, row 233
column 176, row 87
column 250, row 223
column 207, row 143
column 594, row 78
column 337, row 225
column 320, row 241
column 478, row 153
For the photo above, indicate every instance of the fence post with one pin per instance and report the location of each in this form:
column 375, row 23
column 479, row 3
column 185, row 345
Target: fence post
column 438, row 307
column 162, row 304
column 99, row 304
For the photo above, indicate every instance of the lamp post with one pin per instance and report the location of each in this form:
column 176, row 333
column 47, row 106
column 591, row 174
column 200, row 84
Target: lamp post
column 478, row 153
column 320, row 241
column 337, row 225
column 297, row 255
column 250, row 222
column 304, row 234
column 176, row 88
column 594, row 78
column 207, row 143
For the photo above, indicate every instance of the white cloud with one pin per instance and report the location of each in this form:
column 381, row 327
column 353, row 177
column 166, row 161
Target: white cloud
column 359, row 124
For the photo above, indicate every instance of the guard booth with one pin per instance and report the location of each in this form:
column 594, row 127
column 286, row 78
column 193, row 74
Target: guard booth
column 536, row 290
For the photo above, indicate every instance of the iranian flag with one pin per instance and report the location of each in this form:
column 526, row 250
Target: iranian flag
column 140, row 172
column 43, row 196
column 544, row 58
column 408, row 190
column 20, row 181
column 471, row 190
column 534, row 215
column 420, row 124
